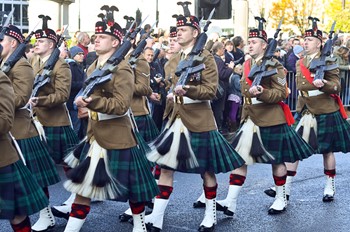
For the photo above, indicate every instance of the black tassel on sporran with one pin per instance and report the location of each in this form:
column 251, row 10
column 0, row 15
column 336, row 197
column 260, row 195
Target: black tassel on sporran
column 184, row 153
column 77, row 174
column 101, row 177
column 256, row 150
column 236, row 139
column 166, row 145
column 313, row 139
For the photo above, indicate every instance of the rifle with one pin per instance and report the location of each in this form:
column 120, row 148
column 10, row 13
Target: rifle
column 44, row 78
column 258, row 72
column 6, row 23
column 104, row 74
column 319, row 65
column 4, row 27
column 17, row 54
column 139, row 49
column 156, row 54
column 194, row 64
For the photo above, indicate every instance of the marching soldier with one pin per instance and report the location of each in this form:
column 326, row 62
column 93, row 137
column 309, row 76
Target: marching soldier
column 265, row 135
column 34, row 150
column 20, row 194
column 112, row 164
column 49, row 105
column 207, row 152
column 169, row 69
column 323, row 124
column 139, row 104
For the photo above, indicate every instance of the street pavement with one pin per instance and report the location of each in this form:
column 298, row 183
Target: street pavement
column 305, row 213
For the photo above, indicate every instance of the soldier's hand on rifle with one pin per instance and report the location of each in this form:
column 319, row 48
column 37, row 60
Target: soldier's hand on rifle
column 319, row 83
column 170, row 96
column 33, row 101
column 180, row 91
column 154, row 97
column 81, row 102
column 256, row 90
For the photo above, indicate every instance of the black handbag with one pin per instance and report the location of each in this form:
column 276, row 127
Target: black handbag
column 220, row 92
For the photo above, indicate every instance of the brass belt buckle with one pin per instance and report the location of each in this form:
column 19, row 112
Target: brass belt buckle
column 179, row 99
column 304, row 93
column 93, row 115
column 248, row 100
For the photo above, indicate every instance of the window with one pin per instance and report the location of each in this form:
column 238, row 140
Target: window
column 20, row 15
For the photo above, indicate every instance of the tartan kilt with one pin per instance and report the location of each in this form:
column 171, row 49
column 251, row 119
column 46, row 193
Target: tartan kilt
column 147, row 127
column 333, row 133
column 20, row 194
column 61, row 141
column 284, row 144
column 39, row 161
column 213, row 153
column 132, row 171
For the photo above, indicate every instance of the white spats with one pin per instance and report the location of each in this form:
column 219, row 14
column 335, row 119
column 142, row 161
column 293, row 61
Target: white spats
column 230, row 203
column 46, row 220
column 155, row 219
column 209, row 220
column 74, row 224
column 280, row 203
column 329, row 189
column 139, row 222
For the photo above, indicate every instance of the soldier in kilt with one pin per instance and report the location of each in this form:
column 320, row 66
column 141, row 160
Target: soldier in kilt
column 265, row 135
column 49, row 105
column 139, row 104
column 169, row 69
column 190, row 141
column 112, row 165
column 323, row 124
column 20, row 194
column 34, row 149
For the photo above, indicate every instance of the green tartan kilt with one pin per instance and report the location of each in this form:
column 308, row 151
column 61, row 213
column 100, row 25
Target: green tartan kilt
column 20, row 194
column 147, row 127
column 213, row 153
column 333, row 133
column 284, row 144
column 133, row 171
column 61, row 140
column 39, row 161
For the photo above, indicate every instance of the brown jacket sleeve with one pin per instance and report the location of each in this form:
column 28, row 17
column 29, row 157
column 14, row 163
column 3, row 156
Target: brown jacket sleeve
column 7, row 111
column 22, row 77
column 51, row 109
column 198, row 117
column 324, row 103
column 113, row 97
column 57, row 91
column 269, row 112
column 142, row 90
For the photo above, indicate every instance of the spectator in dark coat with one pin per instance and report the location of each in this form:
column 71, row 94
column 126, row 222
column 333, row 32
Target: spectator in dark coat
column 225, row 71
column 229, row 50
column 239, row 45
column 78, row 77
column 294, row 57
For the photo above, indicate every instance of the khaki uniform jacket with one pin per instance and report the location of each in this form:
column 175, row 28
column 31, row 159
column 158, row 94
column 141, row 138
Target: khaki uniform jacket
column 171, row 79
column 7, row 111
column 198, row 117
column 22, row 78
column 269, row 112
column 51, row 110
column 324, row 103
column 113, row 97
column 143, row 89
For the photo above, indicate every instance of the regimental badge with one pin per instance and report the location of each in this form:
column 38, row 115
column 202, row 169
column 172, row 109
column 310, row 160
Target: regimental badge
column 281, row 81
